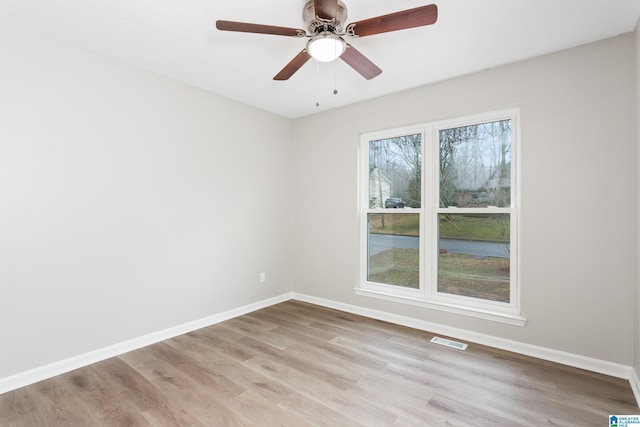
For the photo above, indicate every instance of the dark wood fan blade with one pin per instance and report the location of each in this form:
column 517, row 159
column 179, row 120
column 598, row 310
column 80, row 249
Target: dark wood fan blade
column 293, row 66
column 326, row 9
column 410, row 18
column 245, row 27
column 360, row 63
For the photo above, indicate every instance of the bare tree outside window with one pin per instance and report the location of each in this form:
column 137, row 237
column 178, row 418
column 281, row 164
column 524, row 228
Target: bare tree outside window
column 395, row 176
column 475, row 165
column 395, row 170
column 439, row 218
column 474, row 248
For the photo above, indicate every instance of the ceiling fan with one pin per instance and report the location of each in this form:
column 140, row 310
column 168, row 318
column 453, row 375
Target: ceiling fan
column 325, row 29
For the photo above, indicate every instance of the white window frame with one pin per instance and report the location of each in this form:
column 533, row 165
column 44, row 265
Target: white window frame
column 427, row 294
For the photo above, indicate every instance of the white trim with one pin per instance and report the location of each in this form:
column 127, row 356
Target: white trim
column 570, row 359
column 496, row 316
column 634, row 381
column 57, row 368
column 477, row 304
column 427, row 294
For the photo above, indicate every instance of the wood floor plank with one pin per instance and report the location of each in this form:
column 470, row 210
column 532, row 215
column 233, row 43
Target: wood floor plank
column 206, row 404
column 318, row 414
column 259, row 412
column 334, row 397
column 17, row 407
column 224, row 340
column 103, row 402
column 319, row 372
column 298, row 364
column 299, row 331
column 57, row 405
column 267, row 388
column 142, row 393
column 206, row 376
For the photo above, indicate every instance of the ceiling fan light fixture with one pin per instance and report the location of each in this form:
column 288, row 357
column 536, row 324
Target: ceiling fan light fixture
column 326, row 47
column 325, row 26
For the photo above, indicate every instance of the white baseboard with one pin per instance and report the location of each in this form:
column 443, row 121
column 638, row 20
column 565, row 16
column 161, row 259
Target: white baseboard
column 570, row 359
column 635, row 384
column 565, row 358
column 57, row 368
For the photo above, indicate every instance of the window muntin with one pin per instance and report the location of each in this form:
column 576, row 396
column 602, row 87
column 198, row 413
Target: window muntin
column 393, row 221
column 475, row 174
column 467, row 196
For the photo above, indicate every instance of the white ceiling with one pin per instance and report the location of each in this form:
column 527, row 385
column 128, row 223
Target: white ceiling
column 178, row 39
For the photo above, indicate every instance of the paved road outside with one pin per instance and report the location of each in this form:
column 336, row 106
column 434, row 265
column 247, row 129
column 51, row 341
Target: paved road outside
column 382, row 242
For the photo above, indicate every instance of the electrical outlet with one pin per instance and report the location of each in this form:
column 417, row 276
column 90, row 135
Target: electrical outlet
column 263, row 277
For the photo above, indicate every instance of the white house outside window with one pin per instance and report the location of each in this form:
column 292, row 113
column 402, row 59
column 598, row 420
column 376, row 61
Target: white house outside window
column 439, row 215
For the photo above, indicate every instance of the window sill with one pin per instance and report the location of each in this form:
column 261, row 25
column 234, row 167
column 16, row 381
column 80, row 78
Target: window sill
column 508, row 318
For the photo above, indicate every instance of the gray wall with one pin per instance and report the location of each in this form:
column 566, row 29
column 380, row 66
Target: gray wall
column 129, row 203
column 577, row 193
column 637, row 130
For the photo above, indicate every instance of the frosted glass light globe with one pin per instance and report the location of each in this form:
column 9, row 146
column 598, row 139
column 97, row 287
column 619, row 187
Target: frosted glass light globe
column 326, row 47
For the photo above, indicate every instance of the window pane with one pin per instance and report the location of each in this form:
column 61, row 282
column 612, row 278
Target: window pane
column 474, row 255
column 475, row 165
column 394, row 249
column 395, row 169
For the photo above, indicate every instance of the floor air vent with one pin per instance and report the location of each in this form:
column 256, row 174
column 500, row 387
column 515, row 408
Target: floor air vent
column 449, row 343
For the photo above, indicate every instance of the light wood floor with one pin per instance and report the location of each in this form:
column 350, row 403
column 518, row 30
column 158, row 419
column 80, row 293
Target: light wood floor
column 297, row 364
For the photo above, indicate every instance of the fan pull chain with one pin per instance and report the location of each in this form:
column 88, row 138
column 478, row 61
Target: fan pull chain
column 317, row 83
column 335, row 70
column 335, row 77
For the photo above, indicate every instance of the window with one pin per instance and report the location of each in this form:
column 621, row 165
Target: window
column 439, row 216
column 395, row 185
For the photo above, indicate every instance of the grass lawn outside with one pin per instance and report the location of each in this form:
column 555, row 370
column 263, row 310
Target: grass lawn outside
column 396, row 266
column 486, row 278
column 466, row 275
column 481, row 227
column 459, row 274
column 405, row 224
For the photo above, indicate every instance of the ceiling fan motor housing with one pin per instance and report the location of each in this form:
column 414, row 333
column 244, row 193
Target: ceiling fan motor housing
column 317, row 25
column 325, row 28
